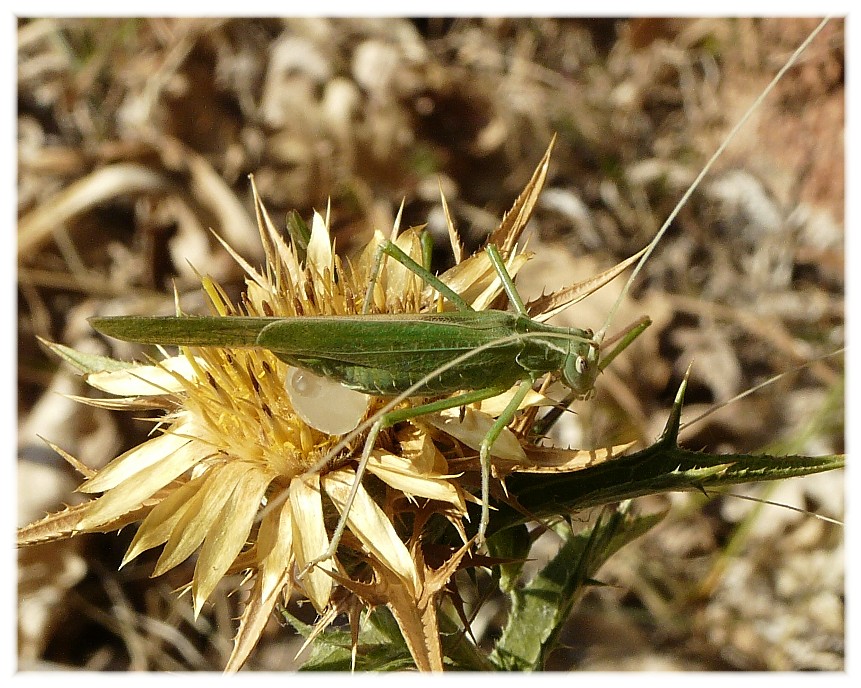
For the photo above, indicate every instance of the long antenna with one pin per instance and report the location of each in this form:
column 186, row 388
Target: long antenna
column 684, row 199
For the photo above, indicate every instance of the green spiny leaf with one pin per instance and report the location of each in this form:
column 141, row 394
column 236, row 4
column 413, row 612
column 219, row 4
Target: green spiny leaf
column 540, row 608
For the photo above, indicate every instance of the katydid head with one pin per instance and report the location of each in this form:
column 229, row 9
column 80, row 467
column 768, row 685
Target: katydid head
column 581, row 366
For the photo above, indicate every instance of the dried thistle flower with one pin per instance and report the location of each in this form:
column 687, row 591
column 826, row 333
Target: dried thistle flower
column 240, row 461
column 226, row 474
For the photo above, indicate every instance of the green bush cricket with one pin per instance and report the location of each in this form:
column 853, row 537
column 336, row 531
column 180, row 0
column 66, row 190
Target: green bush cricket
column 480, row 354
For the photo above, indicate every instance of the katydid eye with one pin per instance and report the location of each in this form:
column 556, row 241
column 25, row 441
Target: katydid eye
column 580, row 364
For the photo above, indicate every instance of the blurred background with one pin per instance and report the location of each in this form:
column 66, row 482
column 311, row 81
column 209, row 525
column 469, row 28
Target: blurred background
column 136, row 139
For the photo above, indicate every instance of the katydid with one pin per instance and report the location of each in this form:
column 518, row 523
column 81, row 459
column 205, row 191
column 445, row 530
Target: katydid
column 479, row 354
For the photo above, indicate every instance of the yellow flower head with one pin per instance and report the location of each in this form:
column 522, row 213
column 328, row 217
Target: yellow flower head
column 239, row 464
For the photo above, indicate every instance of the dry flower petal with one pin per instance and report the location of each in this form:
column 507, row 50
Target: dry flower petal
column 135, row 460
column 254, row 618
column 228, row 534
column 131, row 493
column 470, row 277
column 400, row 473
column 494, row 284
column 473, row 429
column 401, row 282
column 319, row 257
column 144, row 380
column 368, row 523
column 495, row 405
column 275, row 541
column 160, row 522
column 278, row 255
column 558, row 460
column 310, row 538
column 205, row 507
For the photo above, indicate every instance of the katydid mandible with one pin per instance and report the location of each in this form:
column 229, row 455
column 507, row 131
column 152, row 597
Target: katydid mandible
column 479, row 354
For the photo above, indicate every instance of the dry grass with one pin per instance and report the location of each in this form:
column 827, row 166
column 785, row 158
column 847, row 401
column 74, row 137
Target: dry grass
column 135, row 137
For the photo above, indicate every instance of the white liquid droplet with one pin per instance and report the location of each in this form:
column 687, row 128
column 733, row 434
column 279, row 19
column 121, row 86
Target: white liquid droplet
column 324, row 404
